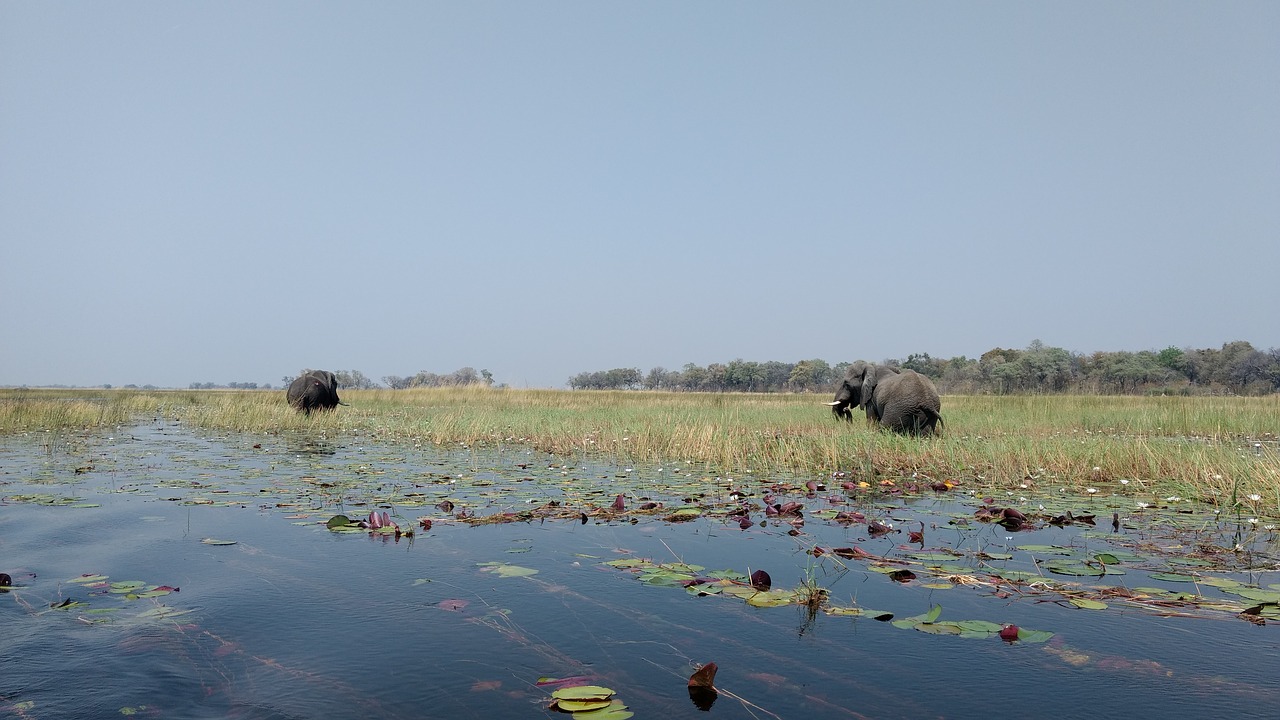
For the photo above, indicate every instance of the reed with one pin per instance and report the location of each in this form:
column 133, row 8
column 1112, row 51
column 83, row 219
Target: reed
column 1219, row 449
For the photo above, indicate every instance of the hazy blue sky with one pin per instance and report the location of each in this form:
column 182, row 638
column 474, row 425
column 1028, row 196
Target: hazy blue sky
column 232, row 191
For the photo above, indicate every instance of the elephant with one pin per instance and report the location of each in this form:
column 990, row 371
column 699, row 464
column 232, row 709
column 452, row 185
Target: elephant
column 314, row 390
column 901, row 400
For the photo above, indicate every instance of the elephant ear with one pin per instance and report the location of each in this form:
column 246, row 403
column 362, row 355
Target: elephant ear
column 868, row 387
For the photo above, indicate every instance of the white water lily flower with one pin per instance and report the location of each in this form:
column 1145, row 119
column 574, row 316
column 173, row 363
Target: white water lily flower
column 1255, row 497
column 1124, row 482
column 1143, row 505
column 1091, row 490
column 1173, row 498
column 1253, row 521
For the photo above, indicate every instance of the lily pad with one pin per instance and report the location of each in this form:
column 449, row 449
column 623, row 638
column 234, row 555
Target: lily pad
column 583, row 692
column 772, row 598
column 910, row 622
column 505, row 570
column 1172, row 577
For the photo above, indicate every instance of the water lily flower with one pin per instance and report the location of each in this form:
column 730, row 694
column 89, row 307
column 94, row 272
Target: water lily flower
column 1142, row 505
column 1091, row 491
column 1255, row 497
column 1124, row 481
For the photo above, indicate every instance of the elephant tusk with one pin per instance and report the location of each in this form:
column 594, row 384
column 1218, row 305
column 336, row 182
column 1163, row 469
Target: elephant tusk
column 833, row 404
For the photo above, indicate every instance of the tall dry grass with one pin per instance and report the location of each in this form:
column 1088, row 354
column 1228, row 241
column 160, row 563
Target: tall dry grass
column 1193, row 447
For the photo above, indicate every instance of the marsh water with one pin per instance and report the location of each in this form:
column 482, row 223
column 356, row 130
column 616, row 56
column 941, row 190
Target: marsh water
column 167, row 572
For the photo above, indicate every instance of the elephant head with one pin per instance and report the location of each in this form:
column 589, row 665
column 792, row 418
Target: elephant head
column 849, row 391
column 314, row 390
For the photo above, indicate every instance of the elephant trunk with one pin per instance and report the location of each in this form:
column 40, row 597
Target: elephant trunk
column 841, row 410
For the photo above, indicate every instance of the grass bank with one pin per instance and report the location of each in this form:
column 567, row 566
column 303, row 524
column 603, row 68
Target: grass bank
column 1216, row 449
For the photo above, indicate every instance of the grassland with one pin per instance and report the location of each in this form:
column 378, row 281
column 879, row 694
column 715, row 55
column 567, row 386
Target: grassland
column 1222, row 450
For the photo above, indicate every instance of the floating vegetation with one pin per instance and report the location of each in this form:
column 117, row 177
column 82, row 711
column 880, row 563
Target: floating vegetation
column 506, row 570
column 589, row 701
column 88, row 611
column 911, row 543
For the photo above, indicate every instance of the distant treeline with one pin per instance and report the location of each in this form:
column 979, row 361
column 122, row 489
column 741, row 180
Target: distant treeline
column 1237, row 368
column 357, row 380
column 462, row 376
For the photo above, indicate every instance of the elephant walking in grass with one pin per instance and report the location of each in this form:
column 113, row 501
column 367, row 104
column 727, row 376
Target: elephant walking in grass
column 314, row 390
column 901, row 400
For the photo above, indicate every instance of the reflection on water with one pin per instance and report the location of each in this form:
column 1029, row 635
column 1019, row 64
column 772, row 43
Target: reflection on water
column 295, row 621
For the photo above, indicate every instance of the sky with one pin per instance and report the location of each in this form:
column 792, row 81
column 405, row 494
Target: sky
column 234, row 191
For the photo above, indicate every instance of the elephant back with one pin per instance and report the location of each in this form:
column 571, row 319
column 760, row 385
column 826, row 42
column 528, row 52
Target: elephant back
column 314, row 390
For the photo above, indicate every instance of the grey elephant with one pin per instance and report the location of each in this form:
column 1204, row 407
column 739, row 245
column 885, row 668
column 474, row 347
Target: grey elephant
column 314, row 390
column 901, row 400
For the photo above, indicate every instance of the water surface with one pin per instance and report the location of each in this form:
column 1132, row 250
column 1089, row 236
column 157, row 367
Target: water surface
column 293, row 620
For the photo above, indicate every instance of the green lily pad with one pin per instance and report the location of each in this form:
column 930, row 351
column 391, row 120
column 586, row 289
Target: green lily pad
column 772, row 598
column 1074, row 568
column 1255, row 594
column 910, row 622
column 616, row 710
column 505, row 570
column 626, row 563
column 1033, row 636
column 126, row 586
column 87, row 579
column 1219, row 582
column 945, row 628
column 1047, row 549
column 934, row 556
column 583, row 692
column 582, row 706
column 1172, row 577
column 859, row 612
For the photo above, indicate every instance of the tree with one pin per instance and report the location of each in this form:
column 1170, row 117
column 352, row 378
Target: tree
column 743, row 376
column 1048, row 369
column 694, row 377
column 354, row 379
column 811, row 375
column 775, row 375
column 1172, row 358
column 925, row 365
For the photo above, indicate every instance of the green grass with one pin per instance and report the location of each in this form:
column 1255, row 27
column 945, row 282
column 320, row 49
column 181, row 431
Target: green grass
column 1192, row 447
